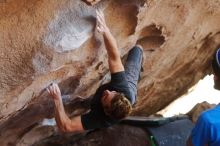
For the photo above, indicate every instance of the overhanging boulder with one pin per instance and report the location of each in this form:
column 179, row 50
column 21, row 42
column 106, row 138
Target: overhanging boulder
column 56, row 41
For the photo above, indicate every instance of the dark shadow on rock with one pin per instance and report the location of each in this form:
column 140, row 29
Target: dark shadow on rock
column 69, row 85
column 151, row 37
column 118, row 135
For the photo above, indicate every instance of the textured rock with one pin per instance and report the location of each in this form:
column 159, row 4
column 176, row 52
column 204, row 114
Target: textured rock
column 56, row 41
column 191, row 35
column 91, row 2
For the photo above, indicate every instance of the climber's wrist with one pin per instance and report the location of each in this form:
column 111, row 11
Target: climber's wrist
column 106, row 32
column 57, row 98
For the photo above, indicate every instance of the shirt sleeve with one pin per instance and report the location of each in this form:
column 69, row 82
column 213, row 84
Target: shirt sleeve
column 93, row 120
column 201, row 132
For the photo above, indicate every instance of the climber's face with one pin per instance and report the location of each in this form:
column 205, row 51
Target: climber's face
column 107, row 97
column 216, row 82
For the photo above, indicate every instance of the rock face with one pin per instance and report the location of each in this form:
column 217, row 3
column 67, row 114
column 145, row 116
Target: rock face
column 56, row 41
column 91, row 2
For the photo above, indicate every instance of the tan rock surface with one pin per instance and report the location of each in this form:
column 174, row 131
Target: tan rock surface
column 91, row 2
column 56, row 41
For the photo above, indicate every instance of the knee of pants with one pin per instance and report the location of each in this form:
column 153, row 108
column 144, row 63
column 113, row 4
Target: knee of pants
column 136, row 49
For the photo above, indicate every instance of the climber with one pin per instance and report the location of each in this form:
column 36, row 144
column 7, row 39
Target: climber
column 112, row 101
column 207, row 128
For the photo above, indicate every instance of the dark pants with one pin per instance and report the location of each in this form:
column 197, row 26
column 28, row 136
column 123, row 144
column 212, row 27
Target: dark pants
column 133, row 69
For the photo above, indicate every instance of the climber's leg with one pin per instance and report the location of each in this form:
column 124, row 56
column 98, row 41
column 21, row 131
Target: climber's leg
column 133, row 66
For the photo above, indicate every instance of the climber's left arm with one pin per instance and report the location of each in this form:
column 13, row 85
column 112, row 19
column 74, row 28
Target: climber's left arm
column 64, row 123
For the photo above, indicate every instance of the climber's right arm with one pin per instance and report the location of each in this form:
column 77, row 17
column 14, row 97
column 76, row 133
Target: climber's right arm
column 114, row 59
column 64, row 123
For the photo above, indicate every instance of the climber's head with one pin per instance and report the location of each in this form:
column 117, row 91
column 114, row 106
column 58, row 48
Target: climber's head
column 115, row 104
column 216, row 69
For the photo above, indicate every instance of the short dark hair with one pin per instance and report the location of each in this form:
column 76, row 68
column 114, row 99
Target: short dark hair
column 120, row 107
